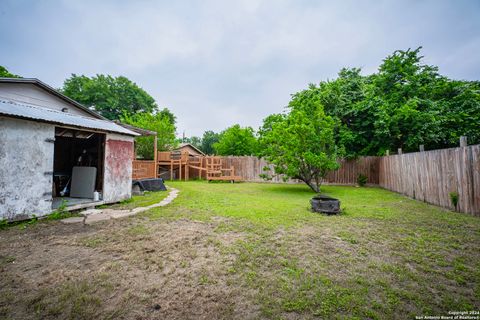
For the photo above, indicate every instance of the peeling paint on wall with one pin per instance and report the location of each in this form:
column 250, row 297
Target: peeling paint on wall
column 118, row 168
column 26, row 165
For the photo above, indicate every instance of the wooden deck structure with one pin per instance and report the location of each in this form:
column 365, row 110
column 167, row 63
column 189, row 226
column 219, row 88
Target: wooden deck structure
column 184, row 162
column 182, row 165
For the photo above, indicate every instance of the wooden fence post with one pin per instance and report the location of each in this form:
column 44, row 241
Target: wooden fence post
column 399, row 150
column 463, row 141
column 155, row 156
column 422, row 148
column 388, row 153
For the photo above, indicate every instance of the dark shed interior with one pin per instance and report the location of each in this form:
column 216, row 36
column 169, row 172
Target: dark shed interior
column 76, row 148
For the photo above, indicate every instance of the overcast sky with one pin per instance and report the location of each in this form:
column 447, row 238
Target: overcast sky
column 217, row 63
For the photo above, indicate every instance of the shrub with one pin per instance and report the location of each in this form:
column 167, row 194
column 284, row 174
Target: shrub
column 362, row 179
column 454, row 198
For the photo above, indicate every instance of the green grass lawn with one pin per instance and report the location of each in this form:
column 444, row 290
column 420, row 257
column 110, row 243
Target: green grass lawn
column 385, row 256
column 249, row 250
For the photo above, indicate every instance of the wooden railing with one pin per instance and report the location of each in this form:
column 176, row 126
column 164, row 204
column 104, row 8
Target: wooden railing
column 143, row 169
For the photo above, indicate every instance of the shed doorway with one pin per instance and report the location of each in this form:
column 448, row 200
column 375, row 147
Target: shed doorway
column 78, row 166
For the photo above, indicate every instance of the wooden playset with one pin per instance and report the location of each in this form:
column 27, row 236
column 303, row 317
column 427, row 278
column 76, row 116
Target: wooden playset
column 186, row 162
column 181, row 164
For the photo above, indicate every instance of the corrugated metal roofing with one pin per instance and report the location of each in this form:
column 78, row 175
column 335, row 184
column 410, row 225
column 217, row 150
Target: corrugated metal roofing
column 28, row 111
column 51, row 90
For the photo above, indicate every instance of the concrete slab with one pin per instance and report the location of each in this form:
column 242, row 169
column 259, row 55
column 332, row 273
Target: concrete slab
column 76, row 203
column 122, row 214
column 97, row 217
column 91, row 211
column 72, row 220
column 139, row 209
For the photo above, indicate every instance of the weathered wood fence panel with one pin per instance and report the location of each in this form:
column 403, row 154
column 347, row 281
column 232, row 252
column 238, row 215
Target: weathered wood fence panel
column 431, row 176
column 350, row 170
column 143, row 169
column 250, row 168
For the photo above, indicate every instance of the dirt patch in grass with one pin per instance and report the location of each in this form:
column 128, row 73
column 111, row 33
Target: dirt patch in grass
column 125, row 269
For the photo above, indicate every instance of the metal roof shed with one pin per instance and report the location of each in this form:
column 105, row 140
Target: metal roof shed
column 43, row 136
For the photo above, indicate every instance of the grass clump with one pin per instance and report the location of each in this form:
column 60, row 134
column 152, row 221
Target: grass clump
column 454, row 196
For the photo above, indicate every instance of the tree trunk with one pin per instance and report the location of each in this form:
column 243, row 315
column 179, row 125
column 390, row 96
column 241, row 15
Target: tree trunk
column 314, row 186
column 313, row 183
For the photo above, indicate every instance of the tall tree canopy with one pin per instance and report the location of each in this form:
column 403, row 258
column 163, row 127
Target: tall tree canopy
column 300, row 144
column 403, row 105
column 112, row 97
column 209, row 138
column 158, row 122
column 167, row 113
column 236, row 141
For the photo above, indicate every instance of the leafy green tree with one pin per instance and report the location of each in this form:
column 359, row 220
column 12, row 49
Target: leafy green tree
column 159, row 123
column 167, row 113
column 209, row 138
column 301, row 143
column 342, row 100
column 458, row 112
column 401, row 95
column 405, row 104
column 4, row 73
column 111, row 96
column 236, row 141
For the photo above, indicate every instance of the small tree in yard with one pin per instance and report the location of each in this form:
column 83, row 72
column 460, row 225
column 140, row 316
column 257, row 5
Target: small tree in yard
column 300, row 144
column 236, row 141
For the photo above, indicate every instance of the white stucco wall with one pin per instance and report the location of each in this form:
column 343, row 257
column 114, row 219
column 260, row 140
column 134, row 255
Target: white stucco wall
column 25, row 156
column 117, row 179
column 32, row 94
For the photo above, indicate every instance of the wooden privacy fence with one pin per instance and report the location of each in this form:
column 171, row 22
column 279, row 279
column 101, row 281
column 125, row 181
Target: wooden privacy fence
column 428, row 176
column 250, row 168
column 350, row 169
column 143, row 169
column 431, row 176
